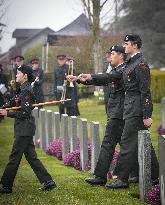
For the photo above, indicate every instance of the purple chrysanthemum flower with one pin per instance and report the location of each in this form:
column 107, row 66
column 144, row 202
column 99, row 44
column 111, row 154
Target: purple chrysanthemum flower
column 154, row 195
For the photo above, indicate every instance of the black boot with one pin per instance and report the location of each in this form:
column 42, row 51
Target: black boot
column 96, row 181
column 49, row 185
column 133, row 179
column 5, row 190
column 119, row 184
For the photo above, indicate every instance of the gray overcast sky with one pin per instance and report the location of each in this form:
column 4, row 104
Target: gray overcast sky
column 38, row 14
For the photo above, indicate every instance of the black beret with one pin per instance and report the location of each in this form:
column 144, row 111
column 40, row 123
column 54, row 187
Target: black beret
column 20, row 57
column 118, row 48
column 132, row 37
column 61, row 56
column 26, row 70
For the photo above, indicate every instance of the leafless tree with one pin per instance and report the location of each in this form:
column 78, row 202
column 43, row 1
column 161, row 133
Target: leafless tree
column 4, row 4
column 92, row 10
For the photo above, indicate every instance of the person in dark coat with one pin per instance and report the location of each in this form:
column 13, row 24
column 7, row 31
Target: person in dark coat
column 18, row 61
column 39, row 78
column 4, row 81
column 115, row 108
column 24, row 130
column 71, row 62
column 61, row 86
column 138, row 109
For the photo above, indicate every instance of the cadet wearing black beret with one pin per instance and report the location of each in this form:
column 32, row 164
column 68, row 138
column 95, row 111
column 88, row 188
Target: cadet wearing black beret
column 113, row 79
column 138, row 109
column 27, row 70
column 24, row 130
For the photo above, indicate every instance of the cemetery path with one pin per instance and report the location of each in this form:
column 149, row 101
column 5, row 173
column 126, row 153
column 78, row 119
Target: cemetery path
column 71, row 186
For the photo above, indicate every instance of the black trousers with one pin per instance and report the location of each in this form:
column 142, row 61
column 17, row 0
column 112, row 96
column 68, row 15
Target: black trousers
column 128, row 156
column 23, row 145
column 70, row 111
column 112, row 136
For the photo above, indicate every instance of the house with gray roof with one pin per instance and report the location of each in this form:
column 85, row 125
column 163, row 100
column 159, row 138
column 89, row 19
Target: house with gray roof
column 78, row 27
column 28, row 38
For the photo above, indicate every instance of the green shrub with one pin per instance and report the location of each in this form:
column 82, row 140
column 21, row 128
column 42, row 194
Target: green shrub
column 157, row 85
column 85, row 91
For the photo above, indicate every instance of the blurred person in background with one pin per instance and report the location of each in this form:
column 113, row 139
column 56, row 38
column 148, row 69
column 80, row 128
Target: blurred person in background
column 4, row 84
column 62, row 88
column 38, row 82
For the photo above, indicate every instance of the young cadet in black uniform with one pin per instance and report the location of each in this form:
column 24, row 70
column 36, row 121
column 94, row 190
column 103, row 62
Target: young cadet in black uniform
column 115, row 107
column 138, row 109
column 24, row 130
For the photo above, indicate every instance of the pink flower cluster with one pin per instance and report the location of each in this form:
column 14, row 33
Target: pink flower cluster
column 55, row 149
column 161, row 131
column 73, row 158
column 154, row 195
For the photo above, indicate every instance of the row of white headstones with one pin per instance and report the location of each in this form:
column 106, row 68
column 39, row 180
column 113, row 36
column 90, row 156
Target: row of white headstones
column 49, row 126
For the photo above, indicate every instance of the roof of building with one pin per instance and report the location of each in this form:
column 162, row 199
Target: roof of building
column 24, row 33
column 80, row 26
column 47, row 29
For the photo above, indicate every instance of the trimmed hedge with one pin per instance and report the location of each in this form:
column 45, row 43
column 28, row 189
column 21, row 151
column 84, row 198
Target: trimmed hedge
column 157, row 85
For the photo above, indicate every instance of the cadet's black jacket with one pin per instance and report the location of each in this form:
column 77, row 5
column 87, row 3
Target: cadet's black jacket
column 24, row 124
column 136, row 78
column 116, row 97
column 106, row 88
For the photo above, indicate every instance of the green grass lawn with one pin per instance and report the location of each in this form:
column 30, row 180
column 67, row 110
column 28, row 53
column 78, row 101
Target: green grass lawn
column 71, row 187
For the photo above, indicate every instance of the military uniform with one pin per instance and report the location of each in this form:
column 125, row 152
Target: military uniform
column 24, row 130
column 60, row 73
column 137, row 106
column 115, row 122
column 37, row 88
